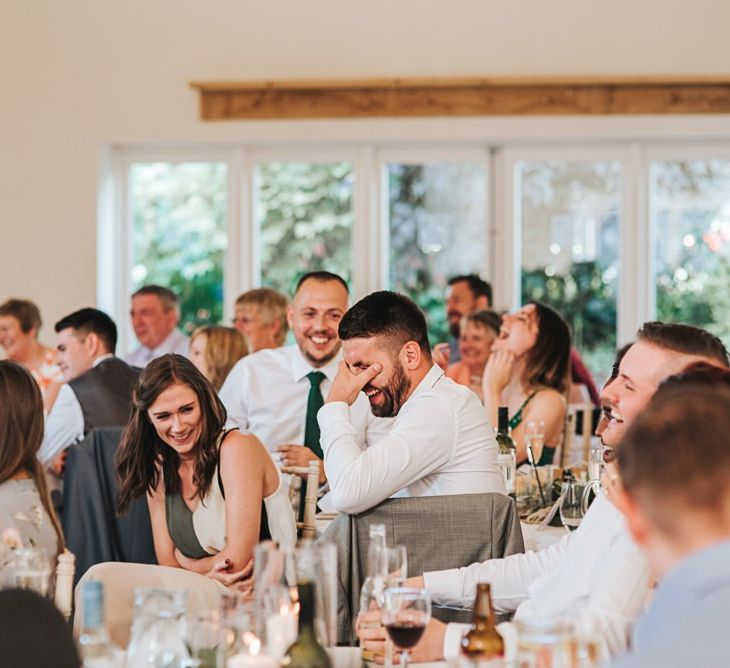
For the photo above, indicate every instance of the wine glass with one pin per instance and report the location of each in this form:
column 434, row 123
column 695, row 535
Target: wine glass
column 534, row 440
column 406, row 614
column 397, row 566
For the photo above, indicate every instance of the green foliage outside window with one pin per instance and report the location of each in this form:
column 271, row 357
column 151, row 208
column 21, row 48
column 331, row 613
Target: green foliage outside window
column 179, row 222
column 305, row 216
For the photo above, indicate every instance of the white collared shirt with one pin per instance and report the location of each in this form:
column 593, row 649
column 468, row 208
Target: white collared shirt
column 596, row 573
column 177, row 342
column 65, row 422
column 440, row 443
column 266, row 393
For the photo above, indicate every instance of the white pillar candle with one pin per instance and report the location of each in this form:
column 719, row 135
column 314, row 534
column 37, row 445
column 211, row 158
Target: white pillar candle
column 281, row 631
column 252, row 661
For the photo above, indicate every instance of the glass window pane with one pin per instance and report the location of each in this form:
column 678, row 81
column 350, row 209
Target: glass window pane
column 438, row 229
column 304, row 212
column 179, row 233
column 691, row 219
column 570, row 248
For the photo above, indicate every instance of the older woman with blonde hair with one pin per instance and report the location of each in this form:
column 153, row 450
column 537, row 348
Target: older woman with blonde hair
column 477, row 333
column 26, row 511
column 20, row 322
column 215, row 350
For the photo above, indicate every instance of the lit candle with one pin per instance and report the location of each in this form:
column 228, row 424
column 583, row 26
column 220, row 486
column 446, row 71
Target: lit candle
column 281, row 631
column 252, row 661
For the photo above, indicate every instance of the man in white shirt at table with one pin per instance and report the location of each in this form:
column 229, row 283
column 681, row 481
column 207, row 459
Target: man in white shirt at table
column 440, row 442
column 597, row 572
column 268, row 392
column 155, row 315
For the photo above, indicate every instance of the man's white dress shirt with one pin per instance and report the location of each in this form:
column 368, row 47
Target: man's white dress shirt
column 597, row 574
column 177, row 342
column 65, row 422
column 440, row 443
column 266, row 393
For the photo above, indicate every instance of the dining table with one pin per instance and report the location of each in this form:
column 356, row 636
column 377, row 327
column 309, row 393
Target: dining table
column 351, row 657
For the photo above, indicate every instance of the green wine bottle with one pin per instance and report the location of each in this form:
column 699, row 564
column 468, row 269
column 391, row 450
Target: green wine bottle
column 306, row 652
column 507, row 456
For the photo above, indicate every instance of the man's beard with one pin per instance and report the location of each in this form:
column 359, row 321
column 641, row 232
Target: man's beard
column 454, row 328
column 394, row 394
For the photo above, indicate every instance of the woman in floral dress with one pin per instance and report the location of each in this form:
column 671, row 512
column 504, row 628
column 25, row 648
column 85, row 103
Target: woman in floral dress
column 27, row 517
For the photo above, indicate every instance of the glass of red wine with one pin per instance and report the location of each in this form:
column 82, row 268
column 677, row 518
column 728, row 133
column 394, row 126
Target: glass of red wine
column 406, row 613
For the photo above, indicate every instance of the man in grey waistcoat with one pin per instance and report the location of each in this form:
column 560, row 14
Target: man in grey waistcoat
column 98, row 387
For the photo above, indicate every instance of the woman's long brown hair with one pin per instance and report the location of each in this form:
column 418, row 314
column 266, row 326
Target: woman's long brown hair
column 21, row 434
column 143, row 454
column 548, row 361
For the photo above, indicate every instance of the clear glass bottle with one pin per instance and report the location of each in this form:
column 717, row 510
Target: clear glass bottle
column 507, row 456
column 482, row 641
column 371, row 594
column 306, row 652
column 95, row 647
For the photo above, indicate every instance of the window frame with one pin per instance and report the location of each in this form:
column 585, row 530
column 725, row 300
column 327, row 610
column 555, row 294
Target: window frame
column 370, row 144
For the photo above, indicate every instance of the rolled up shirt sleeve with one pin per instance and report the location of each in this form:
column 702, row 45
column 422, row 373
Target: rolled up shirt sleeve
column 510, row 578
column 420, row 441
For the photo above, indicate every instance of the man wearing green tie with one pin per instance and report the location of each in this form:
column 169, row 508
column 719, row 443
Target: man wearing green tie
column 276, row 393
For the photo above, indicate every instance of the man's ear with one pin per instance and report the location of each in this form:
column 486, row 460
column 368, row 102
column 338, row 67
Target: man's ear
column 410, row 355
column 481, row 303
column 290, row 316
column 92, row 344
column 639, row 525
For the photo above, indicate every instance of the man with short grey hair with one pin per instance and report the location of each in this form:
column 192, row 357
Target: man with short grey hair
column 155, row 315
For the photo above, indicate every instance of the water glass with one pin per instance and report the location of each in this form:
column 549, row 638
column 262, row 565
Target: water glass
column 240, row 625
column 158, row 629
column 571, row 505
column 32, row 570
column 397, row 565
column 595, row 460
column 205, row 638
column 543, row 643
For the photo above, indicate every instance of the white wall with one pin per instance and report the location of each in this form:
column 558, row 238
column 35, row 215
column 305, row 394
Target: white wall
column 81, row 74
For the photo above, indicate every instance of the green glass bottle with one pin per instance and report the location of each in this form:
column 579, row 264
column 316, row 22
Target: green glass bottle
column 306, row 652
column 507, row 456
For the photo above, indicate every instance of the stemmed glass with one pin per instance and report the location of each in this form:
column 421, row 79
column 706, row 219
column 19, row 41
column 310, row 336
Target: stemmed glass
column 397, row 566
column 534, row 440
column 406, row 614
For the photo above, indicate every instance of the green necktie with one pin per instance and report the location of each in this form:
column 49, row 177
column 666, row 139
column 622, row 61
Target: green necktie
column 314, row 403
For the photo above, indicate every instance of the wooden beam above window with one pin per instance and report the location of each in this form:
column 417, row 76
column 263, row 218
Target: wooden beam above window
column 463, row 97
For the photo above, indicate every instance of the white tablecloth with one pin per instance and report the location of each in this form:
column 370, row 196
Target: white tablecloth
column 350, row 657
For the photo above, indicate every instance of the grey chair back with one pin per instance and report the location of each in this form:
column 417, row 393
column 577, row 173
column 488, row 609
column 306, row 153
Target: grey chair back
column 439, row 532
column 93, row 530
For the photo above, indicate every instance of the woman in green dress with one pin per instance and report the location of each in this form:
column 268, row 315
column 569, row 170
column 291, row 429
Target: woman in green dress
column 529, row 372
column 212, row 493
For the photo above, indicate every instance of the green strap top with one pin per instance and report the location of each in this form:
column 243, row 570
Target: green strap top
column 516, row 419
column 547, row 452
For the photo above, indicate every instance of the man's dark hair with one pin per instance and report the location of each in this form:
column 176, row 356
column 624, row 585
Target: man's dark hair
column 676, row 455
column 166, row 296
column 322, row 276
column 390, row 315
column 685, row 339
column 88, row 320
column 478, row 286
